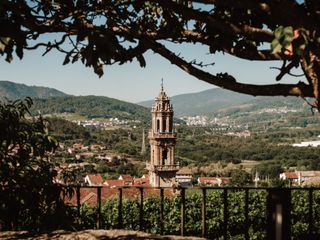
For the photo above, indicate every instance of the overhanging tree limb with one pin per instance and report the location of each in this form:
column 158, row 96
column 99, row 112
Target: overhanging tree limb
column 117, row 31
column 229, row 82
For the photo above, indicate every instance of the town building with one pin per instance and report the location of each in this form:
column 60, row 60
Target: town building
column 162, row 166
column 127, row 179
column 292, row 177
column 113, row 183
column 184, row 177
column 213, row 181
column 93, row 180
column 301, row 178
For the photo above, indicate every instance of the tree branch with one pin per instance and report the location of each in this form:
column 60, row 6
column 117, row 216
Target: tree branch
column 218, row 25
column 229, row 82
column 259, row 55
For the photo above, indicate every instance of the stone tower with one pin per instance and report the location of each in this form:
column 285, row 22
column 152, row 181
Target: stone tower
column 162, row 167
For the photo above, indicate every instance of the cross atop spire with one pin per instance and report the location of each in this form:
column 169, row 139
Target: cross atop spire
column 162, row 85
column 162, row 95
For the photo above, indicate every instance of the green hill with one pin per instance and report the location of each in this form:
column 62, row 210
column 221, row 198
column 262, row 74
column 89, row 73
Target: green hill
column 271, row 111
column 51, row 101
column 226, row 102
column 13, row 91
column 204, row 102
column 92, row 107
column 235, row 108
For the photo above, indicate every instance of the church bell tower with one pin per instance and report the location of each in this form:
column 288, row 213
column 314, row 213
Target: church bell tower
column 162, row 167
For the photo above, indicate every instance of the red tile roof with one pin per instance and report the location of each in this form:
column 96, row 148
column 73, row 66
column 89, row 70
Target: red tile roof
column 184, row 171
column 225, row 180
column 291, row 175
column 141, row 182
column 125, row 178
column 95, row 179
column 208, row 180
column 311, row 181
column 89, row 197
column 113, row 183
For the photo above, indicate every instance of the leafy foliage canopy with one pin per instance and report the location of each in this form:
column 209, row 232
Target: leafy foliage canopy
column 29, row 198
column 118, row 31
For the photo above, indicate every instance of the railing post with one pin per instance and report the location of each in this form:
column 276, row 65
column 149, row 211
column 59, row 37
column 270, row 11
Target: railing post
column 310, row 226
column 279, row 214
column 99, row 207
column 204, row 212
column 78, row 201
column 120, row 209
column 141, row 210
column 161, row 210
column 246, row 213
column 225, row 213
column 183, row 208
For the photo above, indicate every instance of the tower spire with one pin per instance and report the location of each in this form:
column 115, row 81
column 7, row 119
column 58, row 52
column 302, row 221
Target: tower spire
column 162, row 166
column 162, row 85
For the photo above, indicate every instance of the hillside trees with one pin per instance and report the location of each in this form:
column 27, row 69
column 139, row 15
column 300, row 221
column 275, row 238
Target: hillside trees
column 109, row 32
column 29, row 198
column 92, row 107
column 240, row 178
column 66, row 130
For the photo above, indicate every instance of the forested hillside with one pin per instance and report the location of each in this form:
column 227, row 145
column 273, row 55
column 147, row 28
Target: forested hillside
column 206, row 151
column 201, row 146
column 13, row 91
column 204, row 102
column 266, row 112
column 219, row 100
column 92, row 107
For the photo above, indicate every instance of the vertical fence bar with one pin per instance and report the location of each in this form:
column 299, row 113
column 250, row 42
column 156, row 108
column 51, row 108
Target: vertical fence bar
column 310, row 226
column 99, row 208
column 161, row 210
column 120, row 209
column 246, row 213
column 141, row 210
column 183, row 208
column 204, row 212
column 278, row 214
column 225, row 213
column 78, row 201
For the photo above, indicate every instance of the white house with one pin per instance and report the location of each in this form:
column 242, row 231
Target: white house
column 184, row 178
column 93, row 180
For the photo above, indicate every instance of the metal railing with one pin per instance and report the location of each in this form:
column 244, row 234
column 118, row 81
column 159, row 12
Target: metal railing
column 278, row 206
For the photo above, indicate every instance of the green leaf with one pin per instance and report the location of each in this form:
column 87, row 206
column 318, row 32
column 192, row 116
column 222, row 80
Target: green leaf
column 9, row 58
column 276, row 46
column 98, row 69
column 283, row 38
column 2, row 47
column 66, row 59
column 19, row 51
column 141, row 60
column 3, row 42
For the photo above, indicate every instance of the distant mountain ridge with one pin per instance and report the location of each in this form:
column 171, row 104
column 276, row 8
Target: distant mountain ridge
column 204, row 102
column 219, row 100
column 260, row 103
column 208, row 102
column 13, row 91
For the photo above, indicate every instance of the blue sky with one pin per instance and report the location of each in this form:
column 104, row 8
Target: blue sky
column 129, row 82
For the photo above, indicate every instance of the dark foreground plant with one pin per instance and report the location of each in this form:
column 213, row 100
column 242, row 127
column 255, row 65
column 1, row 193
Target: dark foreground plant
column 29, row 198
